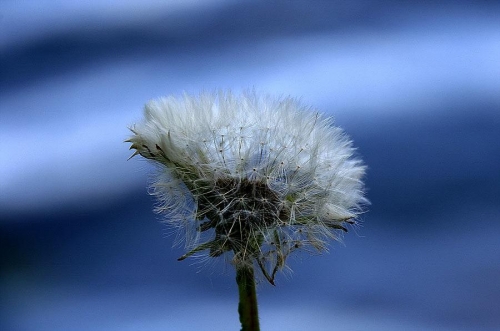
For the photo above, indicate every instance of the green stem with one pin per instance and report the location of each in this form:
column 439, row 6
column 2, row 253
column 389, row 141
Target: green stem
column 249, row 315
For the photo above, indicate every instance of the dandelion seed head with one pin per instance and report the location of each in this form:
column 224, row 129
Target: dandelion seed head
column 254, row 176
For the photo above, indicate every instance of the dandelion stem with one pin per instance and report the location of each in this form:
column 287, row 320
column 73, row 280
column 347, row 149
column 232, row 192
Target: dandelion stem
column 247, row 308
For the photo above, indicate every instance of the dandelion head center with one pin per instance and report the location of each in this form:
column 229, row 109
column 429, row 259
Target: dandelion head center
column 239, row 208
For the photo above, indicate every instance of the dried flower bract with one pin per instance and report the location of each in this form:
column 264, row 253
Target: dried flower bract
column 250, row 177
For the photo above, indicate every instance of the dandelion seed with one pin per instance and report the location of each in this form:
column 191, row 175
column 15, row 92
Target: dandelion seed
column 291, row 176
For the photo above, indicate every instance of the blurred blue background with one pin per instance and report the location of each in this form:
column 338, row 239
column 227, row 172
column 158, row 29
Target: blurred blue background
column 415, row 84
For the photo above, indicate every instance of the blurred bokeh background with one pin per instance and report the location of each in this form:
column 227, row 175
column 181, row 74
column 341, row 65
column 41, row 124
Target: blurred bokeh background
column 415, row 84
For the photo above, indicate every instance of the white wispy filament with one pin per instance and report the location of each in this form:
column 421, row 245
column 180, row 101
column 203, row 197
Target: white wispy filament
column 250, row 177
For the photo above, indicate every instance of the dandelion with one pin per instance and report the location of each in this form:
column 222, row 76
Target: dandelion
column 249, row 178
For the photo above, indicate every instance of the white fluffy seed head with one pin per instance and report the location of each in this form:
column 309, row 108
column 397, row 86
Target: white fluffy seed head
column 256, row 176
